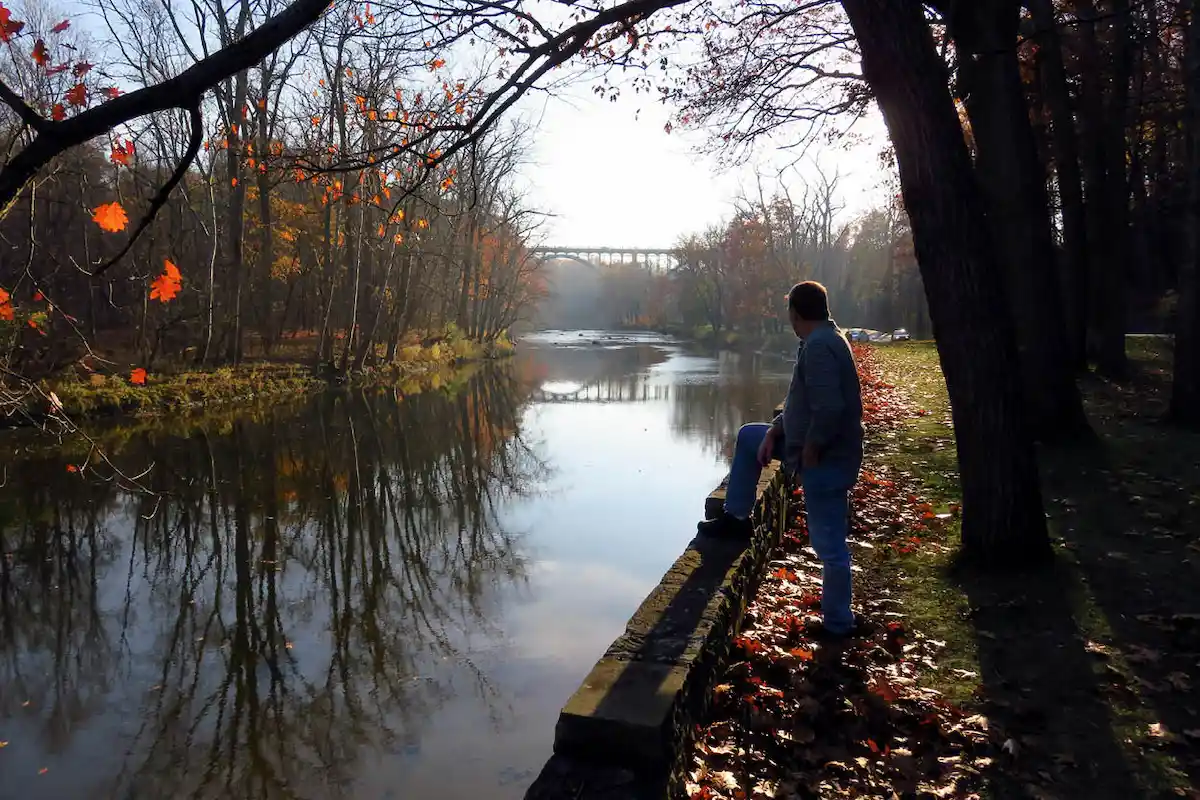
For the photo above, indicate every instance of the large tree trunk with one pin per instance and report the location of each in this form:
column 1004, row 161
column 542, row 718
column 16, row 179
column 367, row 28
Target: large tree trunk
column 1013, row 182
column 1185, row 395
column 1068, row 177
column 1003, row 520
column 1105, row 184
column 1113, row 286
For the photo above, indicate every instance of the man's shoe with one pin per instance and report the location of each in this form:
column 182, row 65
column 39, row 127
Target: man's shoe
column 726, row 526
column 815, row 629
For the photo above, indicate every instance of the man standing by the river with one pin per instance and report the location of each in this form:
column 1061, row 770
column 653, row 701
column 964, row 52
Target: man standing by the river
column 819, row 437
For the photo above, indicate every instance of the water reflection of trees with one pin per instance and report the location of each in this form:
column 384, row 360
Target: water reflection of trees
column 312, row 585
column 707, row 404
column 747, row 388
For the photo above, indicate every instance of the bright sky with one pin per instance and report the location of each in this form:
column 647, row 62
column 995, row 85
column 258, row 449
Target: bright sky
column 612, row 176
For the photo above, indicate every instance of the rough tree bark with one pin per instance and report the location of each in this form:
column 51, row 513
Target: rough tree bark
column 1185, row 394
column 1068, row 176
column 1003, row 520
column 1013, row 182
column 1105, row 184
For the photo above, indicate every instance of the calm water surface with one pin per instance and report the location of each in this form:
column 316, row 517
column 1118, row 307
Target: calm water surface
column 359, row 595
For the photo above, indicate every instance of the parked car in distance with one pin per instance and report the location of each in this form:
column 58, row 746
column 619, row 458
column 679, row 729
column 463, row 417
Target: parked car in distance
column 900, row 335
column 858, row 335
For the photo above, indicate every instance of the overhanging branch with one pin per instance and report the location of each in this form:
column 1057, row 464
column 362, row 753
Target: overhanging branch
column 183, row 91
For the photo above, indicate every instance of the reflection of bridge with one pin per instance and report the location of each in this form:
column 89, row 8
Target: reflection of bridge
column 652, row 257
column 625, row 391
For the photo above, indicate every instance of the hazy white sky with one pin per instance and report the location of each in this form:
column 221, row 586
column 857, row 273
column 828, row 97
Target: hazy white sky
column 612, row 176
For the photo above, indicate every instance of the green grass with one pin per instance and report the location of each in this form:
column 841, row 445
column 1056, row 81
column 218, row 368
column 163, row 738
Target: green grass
column 1079, row 662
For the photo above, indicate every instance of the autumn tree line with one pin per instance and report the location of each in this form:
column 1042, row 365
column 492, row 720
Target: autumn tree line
column 726, row 280
column 285, row 229
column 1048, row 155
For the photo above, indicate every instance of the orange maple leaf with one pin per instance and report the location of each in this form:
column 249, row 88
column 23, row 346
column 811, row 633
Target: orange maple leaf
column 110, row 217
column 167, row 285
column 62, row 26
column 40, row 54
column 58, row 113
column 6, row 309
column 72, row 468
column 138, row 376
column 77, row 95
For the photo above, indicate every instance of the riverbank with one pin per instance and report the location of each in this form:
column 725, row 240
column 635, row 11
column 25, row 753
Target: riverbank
column 135, row 393
column 783, row 343
column 1072, row 680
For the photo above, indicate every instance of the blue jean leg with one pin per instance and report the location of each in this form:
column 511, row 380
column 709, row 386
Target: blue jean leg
column 828, row 510
column 744, row 474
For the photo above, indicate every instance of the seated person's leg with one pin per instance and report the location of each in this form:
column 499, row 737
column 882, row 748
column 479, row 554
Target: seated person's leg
column 744, row 474
column 743, row 481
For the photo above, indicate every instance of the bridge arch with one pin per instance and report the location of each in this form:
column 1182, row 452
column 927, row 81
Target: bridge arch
column 656, row 259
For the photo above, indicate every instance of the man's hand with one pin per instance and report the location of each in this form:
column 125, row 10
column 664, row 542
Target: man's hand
column 810, row 457
column 767, row 449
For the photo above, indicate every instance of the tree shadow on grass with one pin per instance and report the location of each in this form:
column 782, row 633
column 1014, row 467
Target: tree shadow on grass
column 1089, row 662
column 1044, row 691
column 1129, row 524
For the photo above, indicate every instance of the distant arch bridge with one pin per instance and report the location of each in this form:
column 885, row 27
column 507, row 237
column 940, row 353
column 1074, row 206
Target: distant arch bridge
column 654, row 258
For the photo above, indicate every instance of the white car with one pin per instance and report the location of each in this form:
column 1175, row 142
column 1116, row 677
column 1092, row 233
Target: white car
column 900, row 335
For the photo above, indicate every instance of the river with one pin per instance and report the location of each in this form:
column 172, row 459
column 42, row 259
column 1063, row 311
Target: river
column 358, row 594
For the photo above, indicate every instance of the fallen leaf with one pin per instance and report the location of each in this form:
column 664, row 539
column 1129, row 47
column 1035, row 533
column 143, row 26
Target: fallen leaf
column 138, row 376
column 1157, row 730
column 110, row 217
column 167, row 285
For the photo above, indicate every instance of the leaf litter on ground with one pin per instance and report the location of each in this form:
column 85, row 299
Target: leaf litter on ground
column 795, row 717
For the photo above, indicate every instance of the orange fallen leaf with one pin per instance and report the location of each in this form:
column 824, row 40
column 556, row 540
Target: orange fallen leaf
column 167, row 285
column 72, row 468
column 110, row 217
column 138, row 376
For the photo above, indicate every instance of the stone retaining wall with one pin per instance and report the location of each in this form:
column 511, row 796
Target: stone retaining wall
column 626, row 732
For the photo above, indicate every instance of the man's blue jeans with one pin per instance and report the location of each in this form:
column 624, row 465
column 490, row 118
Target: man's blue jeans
column 827, row 501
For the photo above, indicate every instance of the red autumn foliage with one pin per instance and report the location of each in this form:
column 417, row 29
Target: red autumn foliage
column 77, row 95
column 40, row 54
column 167, row 285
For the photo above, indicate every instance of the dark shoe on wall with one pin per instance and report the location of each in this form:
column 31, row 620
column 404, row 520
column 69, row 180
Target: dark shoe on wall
column 726, row 527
